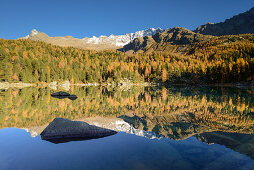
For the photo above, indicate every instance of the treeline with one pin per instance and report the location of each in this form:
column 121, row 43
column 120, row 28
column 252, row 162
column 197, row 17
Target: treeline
column 226, row 58
column 223, row 60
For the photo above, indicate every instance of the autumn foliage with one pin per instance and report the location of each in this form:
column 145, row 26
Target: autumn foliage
column 221, row 60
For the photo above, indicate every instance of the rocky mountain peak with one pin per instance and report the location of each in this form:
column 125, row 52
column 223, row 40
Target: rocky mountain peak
column 239, row 24
column 165, row 40
column 121, row 40
column 34, row 32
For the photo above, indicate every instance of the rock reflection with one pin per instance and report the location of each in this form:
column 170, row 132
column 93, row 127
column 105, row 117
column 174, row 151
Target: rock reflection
column 62, row 130
column 63, row 95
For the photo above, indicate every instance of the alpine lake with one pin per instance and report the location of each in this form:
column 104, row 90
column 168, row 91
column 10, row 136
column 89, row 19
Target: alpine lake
column 158, row 128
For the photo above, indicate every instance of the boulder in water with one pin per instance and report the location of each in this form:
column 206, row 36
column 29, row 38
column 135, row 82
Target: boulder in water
column 64, row 130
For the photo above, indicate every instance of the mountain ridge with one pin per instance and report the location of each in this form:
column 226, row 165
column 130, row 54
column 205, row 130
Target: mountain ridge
column 177, row 39
column 173, row 39
column 242, row 23
column 101, row 42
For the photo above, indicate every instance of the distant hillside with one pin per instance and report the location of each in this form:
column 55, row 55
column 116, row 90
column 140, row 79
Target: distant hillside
column 174, row 39
column 239, row 24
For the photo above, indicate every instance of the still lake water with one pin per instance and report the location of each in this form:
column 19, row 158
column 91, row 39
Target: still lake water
column 158, row 128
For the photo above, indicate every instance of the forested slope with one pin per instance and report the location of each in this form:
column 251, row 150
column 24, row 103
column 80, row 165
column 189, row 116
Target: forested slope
column 220, row 60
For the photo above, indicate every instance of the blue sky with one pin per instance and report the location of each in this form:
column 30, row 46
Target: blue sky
column 81, row 18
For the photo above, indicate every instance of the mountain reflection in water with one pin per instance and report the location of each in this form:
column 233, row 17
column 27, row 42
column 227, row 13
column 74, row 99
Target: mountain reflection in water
column 212, row 115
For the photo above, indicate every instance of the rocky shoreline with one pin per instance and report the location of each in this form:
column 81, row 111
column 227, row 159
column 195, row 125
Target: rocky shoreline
column 65, row 85
column 6, row 85
column 125, row 84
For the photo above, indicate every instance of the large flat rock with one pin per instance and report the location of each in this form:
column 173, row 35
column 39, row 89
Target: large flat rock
column 64, row 130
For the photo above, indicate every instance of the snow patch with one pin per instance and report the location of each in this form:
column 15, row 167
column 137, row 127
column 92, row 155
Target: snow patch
column 121, row 40
column 34, row 32
column 26, row 37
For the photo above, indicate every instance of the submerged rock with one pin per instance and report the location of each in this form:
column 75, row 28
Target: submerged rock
column 60, row 97
column 72, row 97
column 63, row 95
column 60, row 93
column 64, row 130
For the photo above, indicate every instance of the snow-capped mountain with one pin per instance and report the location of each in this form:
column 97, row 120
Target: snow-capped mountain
column 102, row 42
column 121, row 40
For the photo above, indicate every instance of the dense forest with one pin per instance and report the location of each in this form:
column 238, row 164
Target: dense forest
column 221, row 60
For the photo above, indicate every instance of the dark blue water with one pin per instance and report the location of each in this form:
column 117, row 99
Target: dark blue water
column 18, row 150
